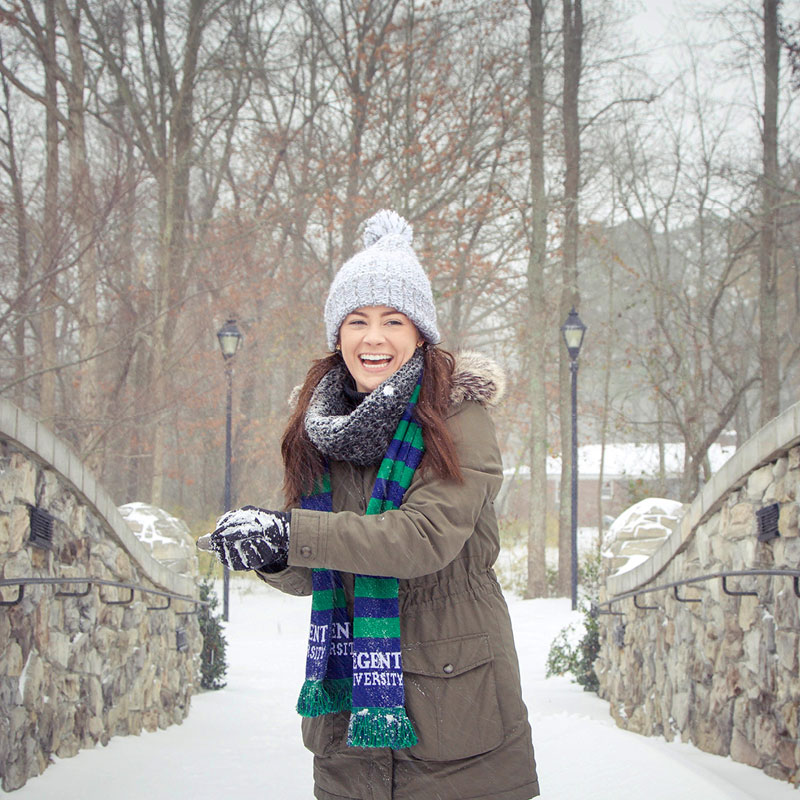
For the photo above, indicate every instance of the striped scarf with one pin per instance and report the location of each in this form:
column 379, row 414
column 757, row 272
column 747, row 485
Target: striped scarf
column 361, row 671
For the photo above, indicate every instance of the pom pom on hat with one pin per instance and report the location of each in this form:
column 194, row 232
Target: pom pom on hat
column 384, row 223
column 386, row 273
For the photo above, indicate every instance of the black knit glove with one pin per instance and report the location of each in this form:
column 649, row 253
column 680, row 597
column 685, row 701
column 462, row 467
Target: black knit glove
column 250, row 538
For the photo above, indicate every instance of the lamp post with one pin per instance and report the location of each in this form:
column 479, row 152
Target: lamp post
column 573, row 331
column 229, row 337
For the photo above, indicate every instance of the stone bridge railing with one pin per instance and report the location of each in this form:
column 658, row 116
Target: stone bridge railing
column 722, row 672
column 79, row 668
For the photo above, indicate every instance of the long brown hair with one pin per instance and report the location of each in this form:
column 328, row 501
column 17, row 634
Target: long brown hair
column 303, row 463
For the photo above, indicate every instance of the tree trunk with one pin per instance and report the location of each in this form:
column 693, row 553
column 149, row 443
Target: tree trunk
column 573, row 42
column 608, row 365
column 767, row 260
column 84, row 211
column 537, row 329
column 51, row 228
column 21, row 301
column 174, row 193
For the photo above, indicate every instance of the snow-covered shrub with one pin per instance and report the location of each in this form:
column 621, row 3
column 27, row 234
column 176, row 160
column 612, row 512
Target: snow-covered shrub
column 575, row 652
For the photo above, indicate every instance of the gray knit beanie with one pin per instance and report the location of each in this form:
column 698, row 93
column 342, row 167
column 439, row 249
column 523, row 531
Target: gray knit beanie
column 385, row 273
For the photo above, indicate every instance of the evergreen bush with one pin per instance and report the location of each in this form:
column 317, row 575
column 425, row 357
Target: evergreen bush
column 566, row 656
column 577, row 657
column 213, row 663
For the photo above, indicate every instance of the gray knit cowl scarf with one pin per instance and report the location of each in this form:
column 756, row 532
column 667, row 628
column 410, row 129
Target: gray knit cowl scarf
column 360, row 435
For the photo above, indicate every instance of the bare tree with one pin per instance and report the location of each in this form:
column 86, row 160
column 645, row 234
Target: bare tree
column 537, row 328
column 156, row 82
column 17, row 305
column 770, row 193
column 573, row 63
column 355, row 42
column 693, row 265
column 85, row 216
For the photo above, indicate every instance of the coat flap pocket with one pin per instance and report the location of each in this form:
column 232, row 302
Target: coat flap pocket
column 446, row 658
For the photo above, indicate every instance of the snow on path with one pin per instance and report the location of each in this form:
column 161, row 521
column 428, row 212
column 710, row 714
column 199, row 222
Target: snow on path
column 244, row 741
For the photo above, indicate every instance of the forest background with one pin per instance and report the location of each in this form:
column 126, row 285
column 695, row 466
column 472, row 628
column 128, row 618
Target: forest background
column 166, row 166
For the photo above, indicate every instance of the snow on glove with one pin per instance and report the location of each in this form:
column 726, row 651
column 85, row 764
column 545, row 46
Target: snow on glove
column 250, row 538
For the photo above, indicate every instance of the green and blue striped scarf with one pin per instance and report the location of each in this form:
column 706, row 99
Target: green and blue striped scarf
column 361, row 670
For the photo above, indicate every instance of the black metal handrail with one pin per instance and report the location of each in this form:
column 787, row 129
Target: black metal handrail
column 132, row 587
column 675, row 585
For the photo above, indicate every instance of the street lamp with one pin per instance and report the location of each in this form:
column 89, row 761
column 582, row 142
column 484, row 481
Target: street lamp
column 573, row 331
column 229, row 337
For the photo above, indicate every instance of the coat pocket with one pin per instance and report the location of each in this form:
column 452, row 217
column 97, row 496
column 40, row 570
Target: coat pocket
column 451, row 697
column 326, row 734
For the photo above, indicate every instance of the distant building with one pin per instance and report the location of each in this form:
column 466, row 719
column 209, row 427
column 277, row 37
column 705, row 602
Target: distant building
column 630, row 472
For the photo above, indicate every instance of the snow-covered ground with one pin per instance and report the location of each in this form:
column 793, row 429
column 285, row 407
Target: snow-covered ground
column 244, row 741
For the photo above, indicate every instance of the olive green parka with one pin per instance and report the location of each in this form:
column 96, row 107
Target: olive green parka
column 462, row 680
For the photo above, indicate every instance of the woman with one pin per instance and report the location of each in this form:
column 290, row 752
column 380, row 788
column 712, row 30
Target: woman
column 412, row 684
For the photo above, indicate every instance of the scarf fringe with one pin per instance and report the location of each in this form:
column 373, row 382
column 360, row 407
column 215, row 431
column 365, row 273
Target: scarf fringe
column 324, row 697
column 381, row 727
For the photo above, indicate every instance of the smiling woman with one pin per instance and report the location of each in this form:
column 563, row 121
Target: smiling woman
column 412, row 686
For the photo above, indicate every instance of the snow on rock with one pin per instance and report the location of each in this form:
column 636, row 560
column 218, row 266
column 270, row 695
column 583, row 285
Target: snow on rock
column 638, row 532
column 632, row 562
column 167, row 537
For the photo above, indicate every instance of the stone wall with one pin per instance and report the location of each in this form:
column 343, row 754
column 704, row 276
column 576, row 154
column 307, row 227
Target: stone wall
column 720, row 673
column 75, row 671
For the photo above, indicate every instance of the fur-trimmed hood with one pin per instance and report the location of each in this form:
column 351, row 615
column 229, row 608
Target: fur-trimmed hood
column 475, row 377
